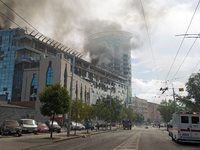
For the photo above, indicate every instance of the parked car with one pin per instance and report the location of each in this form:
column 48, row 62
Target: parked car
column 82, row 127
column 42, row 127
column 56, row 127
column 10, row 127
column 28, row 126
column 75, row 126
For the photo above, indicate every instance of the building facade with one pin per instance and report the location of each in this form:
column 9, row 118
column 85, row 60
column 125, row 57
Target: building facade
column 140, row 106
column 115, row 55
column 20, row 54
column 153, row 113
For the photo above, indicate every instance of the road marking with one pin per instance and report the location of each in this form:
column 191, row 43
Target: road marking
column 132, row 143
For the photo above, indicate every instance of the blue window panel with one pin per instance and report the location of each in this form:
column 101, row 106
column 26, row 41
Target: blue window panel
column 50, row 75
column 34, row 82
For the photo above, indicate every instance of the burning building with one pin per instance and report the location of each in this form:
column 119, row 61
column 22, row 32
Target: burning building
column 21, row 61
column 111, row 50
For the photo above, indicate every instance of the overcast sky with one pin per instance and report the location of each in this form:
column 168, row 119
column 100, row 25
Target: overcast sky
column 153, row 23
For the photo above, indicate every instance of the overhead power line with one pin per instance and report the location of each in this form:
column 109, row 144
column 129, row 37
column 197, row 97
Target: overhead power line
column 182, row 40
column 18, row 15
column 184, row 58
column 149, row 39
column 9, row 18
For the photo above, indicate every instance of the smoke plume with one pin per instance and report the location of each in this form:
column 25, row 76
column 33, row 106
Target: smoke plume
column 5, row 23
column 71, row 22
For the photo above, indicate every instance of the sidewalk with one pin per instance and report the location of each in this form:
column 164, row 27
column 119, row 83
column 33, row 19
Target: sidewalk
column 27, row 141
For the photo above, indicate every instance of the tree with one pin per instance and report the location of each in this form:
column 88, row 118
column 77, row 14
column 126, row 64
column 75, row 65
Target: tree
column 78, row 111
column 90, row 114
column 55, row 100
column 130, row 113
column 149, row 120
column 139, row 118
column 166, row 109
column 122, row 115
column 107, row 111
column 192, row 100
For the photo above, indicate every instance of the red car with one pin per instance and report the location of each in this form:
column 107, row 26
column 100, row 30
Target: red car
column 42, row 127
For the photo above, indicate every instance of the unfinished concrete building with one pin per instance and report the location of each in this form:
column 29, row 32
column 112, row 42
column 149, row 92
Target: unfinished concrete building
column 111, row 50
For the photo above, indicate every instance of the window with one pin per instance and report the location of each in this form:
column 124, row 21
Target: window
column 49, row 79
column 195, row 120
column 33, row 92
column 184, row 119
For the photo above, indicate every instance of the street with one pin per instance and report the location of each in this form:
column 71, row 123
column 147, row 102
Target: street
column 135, row 139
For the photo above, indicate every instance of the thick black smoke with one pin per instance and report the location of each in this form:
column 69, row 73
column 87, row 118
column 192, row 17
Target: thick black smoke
column 5, row 23
column 71, row 22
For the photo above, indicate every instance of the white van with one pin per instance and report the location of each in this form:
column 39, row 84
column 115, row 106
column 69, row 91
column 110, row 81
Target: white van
column 28, row 126
column 185, row 127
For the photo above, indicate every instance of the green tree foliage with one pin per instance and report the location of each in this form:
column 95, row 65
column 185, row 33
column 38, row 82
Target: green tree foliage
column 90, row 114
column 78, row 110
column 192, row 100
column 149, row 120
column 166, row 109
column 55, row 100
column 130, row 114
column 122, row 115
column 134, row 116
column 139, row 118
column 107, row 112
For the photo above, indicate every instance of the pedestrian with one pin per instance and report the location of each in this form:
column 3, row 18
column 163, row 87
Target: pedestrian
column 97, row 126
column 92, row 126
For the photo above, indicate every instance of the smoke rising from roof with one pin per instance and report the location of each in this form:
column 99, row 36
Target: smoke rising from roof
column 4, row 22
column 71, row 22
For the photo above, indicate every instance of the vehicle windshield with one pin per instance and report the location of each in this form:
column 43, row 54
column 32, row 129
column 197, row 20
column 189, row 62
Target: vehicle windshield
column 41, row 124
column 54, row 123
column 11, row 123
column 29, row 122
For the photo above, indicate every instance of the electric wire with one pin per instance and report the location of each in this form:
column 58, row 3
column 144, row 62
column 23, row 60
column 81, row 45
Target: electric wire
column 182, row 40
column 9, row 19
column 184, row 58
column 18, row 15
column 149, row 39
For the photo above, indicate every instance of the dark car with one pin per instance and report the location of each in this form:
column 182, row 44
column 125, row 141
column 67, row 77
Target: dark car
column 11, row 127
column 56, row 127
column 42, row 127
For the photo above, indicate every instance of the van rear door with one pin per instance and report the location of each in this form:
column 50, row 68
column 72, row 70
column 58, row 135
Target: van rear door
column 185, row 125
column 195, row 126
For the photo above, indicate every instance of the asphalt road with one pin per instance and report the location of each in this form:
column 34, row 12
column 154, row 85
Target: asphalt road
column 135, row 139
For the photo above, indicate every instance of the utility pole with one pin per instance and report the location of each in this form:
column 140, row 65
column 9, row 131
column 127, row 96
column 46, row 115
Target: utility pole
column 110, row 106
column 161, row 89
column 69, row 113
column 174, row 100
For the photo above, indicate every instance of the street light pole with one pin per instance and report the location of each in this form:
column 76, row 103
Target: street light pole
column 69, row 113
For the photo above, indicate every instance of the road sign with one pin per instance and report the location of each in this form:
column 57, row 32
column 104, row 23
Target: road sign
column 181, row 89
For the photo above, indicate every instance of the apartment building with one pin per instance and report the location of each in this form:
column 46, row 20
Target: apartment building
column 153, row 113
column 140, row 106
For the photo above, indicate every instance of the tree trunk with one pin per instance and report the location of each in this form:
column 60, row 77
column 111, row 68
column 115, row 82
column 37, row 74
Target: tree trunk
column 52, row 125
